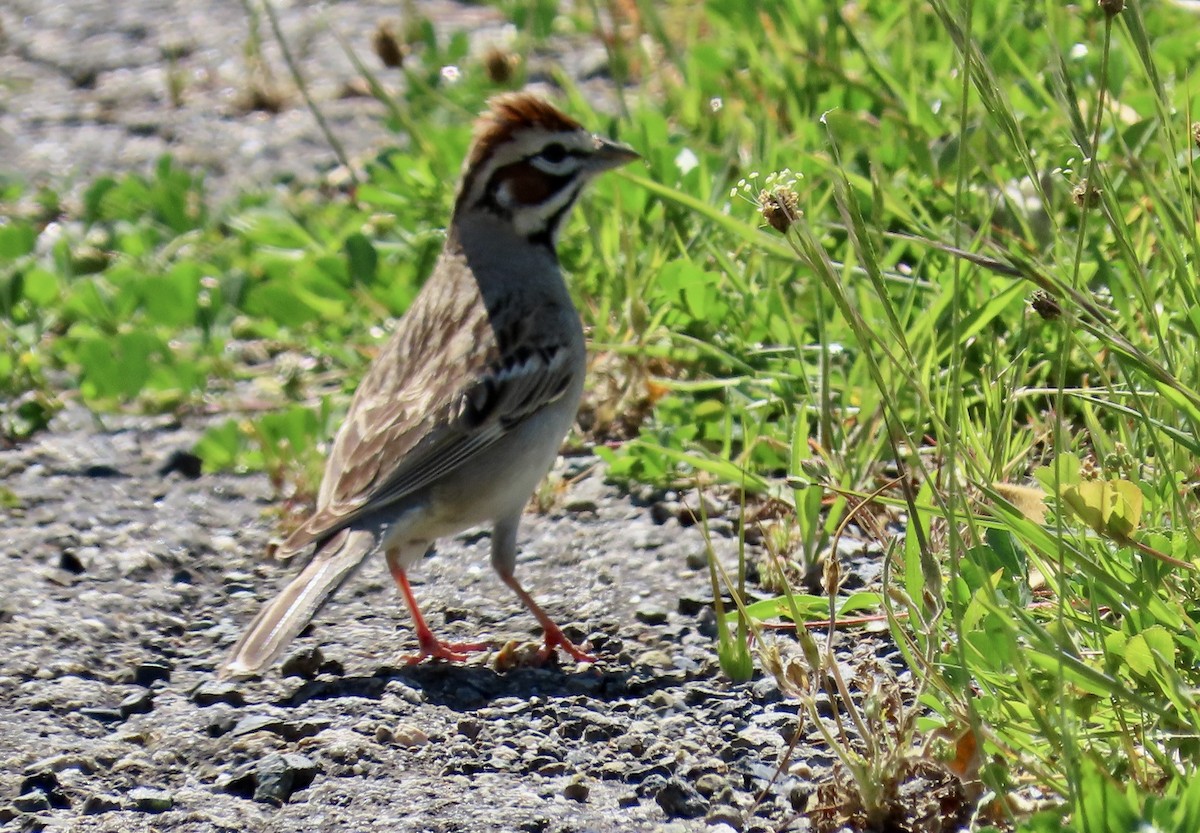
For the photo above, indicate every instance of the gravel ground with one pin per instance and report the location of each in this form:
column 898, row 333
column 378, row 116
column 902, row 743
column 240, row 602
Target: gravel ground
column 88, row 87
column 127, row 580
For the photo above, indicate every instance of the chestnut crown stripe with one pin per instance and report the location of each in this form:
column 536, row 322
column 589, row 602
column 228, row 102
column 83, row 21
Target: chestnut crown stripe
column 512, row 112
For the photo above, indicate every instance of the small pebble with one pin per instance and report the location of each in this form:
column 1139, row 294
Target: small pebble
column 32, row 802
column 679, row 799
column 577, row 789
column 409, row 736
column 724, row 816
column 100, row 803
column 140, row 702
column 211, row 692
column 277, row 777
column 709, row 784
column 148, row 673
column 655, row 658
column 150, row 800
column 104, row 715
column 469, row 728
column 651, row 615
column 305, row 663
column 663, row 700
column 257, row 723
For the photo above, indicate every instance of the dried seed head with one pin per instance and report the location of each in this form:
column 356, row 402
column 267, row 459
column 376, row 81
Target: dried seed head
column 780, row 207
column 1112, row 8
column 832, row 579
column 1045, row 305
column 387, row 46
column 1088, row 470
column 796, row 677
column 500, row 64
column 1086, row 196
column 1196, row 133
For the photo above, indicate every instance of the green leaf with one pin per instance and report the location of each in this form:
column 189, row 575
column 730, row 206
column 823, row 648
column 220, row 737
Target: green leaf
column 220, row 447
column 16, row 241
column 1103, row 807
column 1141, row 648
column 810, row 607
column 1187, row 812
column 119, row 367
column 362, row 258
column 170, row 299
column 1066, row 466
column 40, row 287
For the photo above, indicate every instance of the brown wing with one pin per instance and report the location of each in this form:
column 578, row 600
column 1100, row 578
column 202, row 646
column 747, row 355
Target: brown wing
column 417, row 415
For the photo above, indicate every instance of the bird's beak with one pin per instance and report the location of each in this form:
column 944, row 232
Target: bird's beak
column 610, row 154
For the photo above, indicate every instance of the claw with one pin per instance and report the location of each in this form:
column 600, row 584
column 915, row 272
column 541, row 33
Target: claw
column 555, row 638
column 433, row 648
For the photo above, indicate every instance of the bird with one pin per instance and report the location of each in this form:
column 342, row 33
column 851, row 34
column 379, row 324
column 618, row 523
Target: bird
column 463, row 411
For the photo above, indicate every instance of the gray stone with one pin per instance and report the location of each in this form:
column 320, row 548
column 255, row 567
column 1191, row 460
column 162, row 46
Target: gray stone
column 724, row 816
column 100, row 803
column 150, row 800
column 577, row 789
column 278, row 776
column 139, row 702
column 35, row 801
column 214, row 691
column 679, row 799
column 651, row 615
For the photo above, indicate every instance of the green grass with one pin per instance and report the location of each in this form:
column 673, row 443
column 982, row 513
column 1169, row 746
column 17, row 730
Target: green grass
column 879, row 358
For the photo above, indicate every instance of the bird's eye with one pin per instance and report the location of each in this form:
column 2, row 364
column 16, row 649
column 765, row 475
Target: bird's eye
column 554, row 153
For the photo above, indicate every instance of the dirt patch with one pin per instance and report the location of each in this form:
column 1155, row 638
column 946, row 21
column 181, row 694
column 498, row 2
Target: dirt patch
column 91, row 88
column 126, row 585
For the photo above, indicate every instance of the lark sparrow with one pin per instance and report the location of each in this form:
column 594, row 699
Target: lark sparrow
column 462, row 413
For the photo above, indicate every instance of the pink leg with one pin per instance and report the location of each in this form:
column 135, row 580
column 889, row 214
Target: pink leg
column 430, row 645
column 554, row 635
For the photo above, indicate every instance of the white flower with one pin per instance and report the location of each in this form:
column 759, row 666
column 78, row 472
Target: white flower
column 686, row 161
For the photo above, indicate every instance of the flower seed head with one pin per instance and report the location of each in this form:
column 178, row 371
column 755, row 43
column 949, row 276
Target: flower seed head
column 780, row 207
column 387, row 46
column 500, row 64
column 1112, row 8
column 1086, row 195
column 1045, row 305
column 1088, row 469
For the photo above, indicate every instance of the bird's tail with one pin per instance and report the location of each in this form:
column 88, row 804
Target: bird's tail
column 289, row 612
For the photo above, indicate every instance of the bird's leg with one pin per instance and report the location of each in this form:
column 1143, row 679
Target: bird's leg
column 430, row 645
column 553, row 633
column 504, row 560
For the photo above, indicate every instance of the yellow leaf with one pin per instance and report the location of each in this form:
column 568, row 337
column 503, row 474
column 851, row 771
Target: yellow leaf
column 1112, row 508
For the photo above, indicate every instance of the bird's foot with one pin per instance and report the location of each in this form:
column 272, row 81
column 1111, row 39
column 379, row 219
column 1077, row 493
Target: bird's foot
column 434, row 648
column 555, row 638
